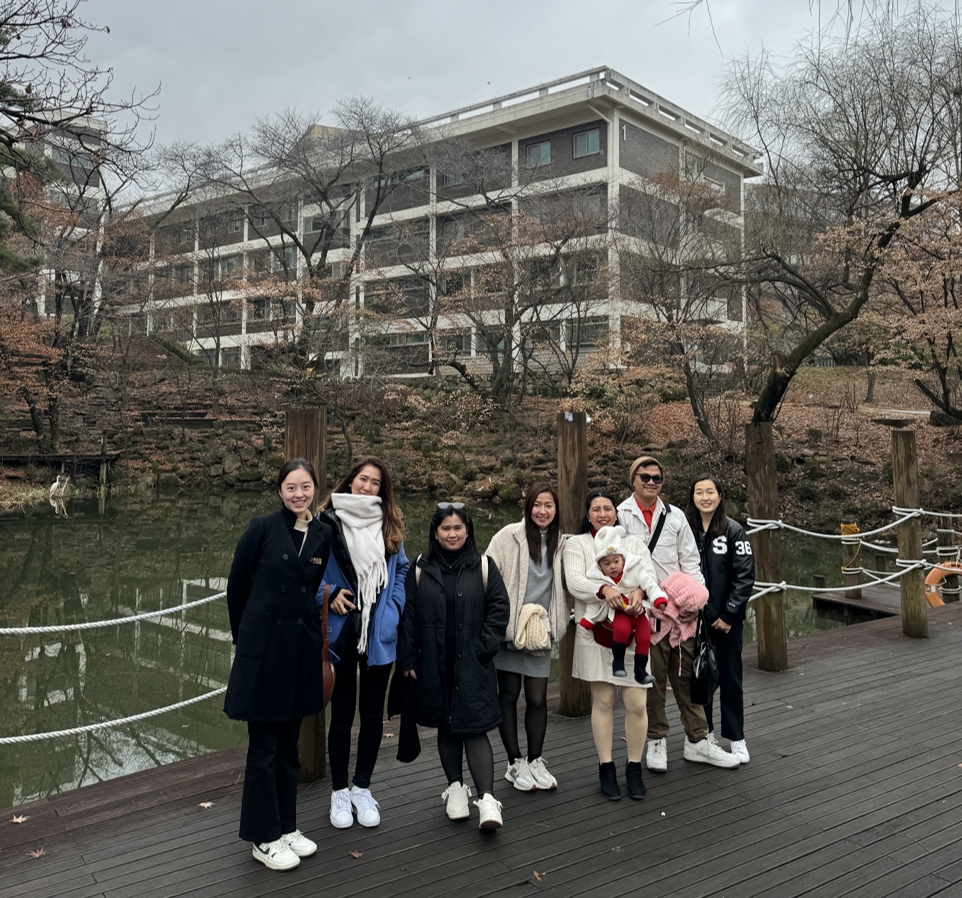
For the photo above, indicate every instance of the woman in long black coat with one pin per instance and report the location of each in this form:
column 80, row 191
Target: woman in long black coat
column 455, row 615
column 277, row 677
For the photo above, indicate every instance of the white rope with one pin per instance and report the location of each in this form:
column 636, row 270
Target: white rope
column 109, row 724
column 922, row 511
column 783, row 586
column 93, row 625
column 766, row 524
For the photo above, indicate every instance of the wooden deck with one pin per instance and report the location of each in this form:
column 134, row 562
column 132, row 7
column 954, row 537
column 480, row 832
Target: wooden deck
column 854, row 789
column 877, row 600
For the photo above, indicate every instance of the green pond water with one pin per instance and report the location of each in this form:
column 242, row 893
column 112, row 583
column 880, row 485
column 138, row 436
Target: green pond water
column 133, row 556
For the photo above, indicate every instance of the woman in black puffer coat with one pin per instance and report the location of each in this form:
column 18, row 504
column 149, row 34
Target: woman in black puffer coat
column 454, row 620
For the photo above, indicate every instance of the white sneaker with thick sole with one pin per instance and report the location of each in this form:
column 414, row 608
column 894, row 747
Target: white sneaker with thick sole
column 519, row 776
column 365, row 806
column 740, row 751
column 490, row 809
column 656, row 756
column 276, row 855
column 455, row 799
column 708, row 751
column 341, row 814
column 299, row 843
column 539, row 773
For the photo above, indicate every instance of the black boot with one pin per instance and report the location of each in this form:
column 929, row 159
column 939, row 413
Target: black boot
column 636, row 785
column 618, row 659
column 609, row 781
column 641, row 673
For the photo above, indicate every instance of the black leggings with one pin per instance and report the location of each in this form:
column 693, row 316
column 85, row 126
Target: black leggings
column 535, row 713
column 344, row 702
column 452, row 748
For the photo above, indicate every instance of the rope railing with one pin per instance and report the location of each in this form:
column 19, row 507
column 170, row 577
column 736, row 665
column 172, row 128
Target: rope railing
column 96, row 624
column 784, row 587
column 759, row 524
column 110, row 724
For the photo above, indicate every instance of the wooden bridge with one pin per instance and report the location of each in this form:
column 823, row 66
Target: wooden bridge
column 854, row 789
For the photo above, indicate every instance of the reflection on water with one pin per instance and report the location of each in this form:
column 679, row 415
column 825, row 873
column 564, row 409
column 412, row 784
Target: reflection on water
column 132, row 556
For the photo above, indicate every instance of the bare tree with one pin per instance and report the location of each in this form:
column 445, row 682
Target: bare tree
column 853, row 134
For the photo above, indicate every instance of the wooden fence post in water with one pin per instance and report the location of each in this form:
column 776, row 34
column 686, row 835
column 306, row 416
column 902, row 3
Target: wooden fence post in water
column 850, row 559
column 305, row 436
column 948, row 551
column 763, row 504
column 572, row 491
column 905, row 473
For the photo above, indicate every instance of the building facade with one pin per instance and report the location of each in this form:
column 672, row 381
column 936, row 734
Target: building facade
column 495, row 234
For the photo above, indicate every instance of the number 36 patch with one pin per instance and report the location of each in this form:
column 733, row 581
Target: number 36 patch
column 719, row 546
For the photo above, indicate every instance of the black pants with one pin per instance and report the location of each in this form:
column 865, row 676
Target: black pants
column 344, row 703
column 269, row 803
column 535, row 713
column 728, row 648
column 452, row 749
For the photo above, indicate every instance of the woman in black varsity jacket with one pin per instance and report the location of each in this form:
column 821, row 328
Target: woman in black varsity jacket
column 729, row 569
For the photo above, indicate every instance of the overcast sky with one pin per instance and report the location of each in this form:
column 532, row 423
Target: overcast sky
column 220, row 64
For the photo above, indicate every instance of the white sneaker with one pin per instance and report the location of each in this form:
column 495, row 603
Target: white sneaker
column 341, row 814
column 520, row 776
column 455, row 799
column 299, row 843
column 708, row 751
column 740, row 751
column 539, row 773
column 656, row 757
column 490, row 810
column 276, row 855
column 365, row 806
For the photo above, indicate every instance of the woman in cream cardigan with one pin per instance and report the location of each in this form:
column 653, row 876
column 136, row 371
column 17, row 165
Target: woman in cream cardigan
column 528, row 555
column 592, row 662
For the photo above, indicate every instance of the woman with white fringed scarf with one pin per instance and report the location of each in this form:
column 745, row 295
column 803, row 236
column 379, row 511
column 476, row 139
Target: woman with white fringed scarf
column 364, row 580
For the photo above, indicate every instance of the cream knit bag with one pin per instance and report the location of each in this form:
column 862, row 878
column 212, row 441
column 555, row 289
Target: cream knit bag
column 532, row 633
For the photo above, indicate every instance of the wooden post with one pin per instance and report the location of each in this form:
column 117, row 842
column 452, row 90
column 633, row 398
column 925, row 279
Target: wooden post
column 948, row 551
column 305, row 436
column 763, row 504
column 572, row 492
column 850, row 554
column 905, row 473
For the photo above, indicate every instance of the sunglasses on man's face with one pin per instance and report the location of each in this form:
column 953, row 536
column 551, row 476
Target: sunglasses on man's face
column 650, row 478
column 450, row 506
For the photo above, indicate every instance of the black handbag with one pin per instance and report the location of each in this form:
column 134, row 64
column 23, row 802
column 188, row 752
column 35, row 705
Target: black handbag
column 704, row 666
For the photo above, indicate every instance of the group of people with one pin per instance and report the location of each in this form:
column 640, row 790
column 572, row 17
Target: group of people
column 468, row 633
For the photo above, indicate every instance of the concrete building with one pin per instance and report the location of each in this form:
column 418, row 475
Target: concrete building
column 439, row 269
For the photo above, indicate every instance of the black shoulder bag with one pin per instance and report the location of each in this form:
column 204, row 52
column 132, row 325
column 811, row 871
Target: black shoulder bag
column 704, row 666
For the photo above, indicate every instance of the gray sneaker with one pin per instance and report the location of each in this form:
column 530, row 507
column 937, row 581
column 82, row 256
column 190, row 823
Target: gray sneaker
column 519, row 776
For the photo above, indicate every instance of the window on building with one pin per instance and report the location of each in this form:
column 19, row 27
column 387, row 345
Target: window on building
column 230, row 266
column 186, row 235
column 451, row 342
column 235, row 223
column 406, row 339
column 539, row 154
column 449, row 179
column 258, row 309
column 587, row 143
column 586, row 333
column 230, row 357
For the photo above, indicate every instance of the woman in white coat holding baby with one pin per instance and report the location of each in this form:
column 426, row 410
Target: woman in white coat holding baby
column 593, row 662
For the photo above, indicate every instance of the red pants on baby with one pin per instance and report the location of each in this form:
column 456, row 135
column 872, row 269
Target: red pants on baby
column 624, row 626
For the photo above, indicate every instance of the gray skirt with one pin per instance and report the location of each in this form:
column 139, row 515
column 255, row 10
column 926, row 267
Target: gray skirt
column 524, row 663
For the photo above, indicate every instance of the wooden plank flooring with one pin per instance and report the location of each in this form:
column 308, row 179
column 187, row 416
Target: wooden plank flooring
column 854, row 789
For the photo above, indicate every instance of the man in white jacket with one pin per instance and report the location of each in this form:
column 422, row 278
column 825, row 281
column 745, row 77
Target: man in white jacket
column 645, row 514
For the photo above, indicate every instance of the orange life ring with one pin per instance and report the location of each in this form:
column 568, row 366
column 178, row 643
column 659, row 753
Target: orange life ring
column 935, row 578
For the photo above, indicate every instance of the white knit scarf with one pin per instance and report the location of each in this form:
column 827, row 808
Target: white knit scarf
column 362, row 518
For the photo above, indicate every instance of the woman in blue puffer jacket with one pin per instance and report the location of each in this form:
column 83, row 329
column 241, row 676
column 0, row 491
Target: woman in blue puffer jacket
column 364, row 585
